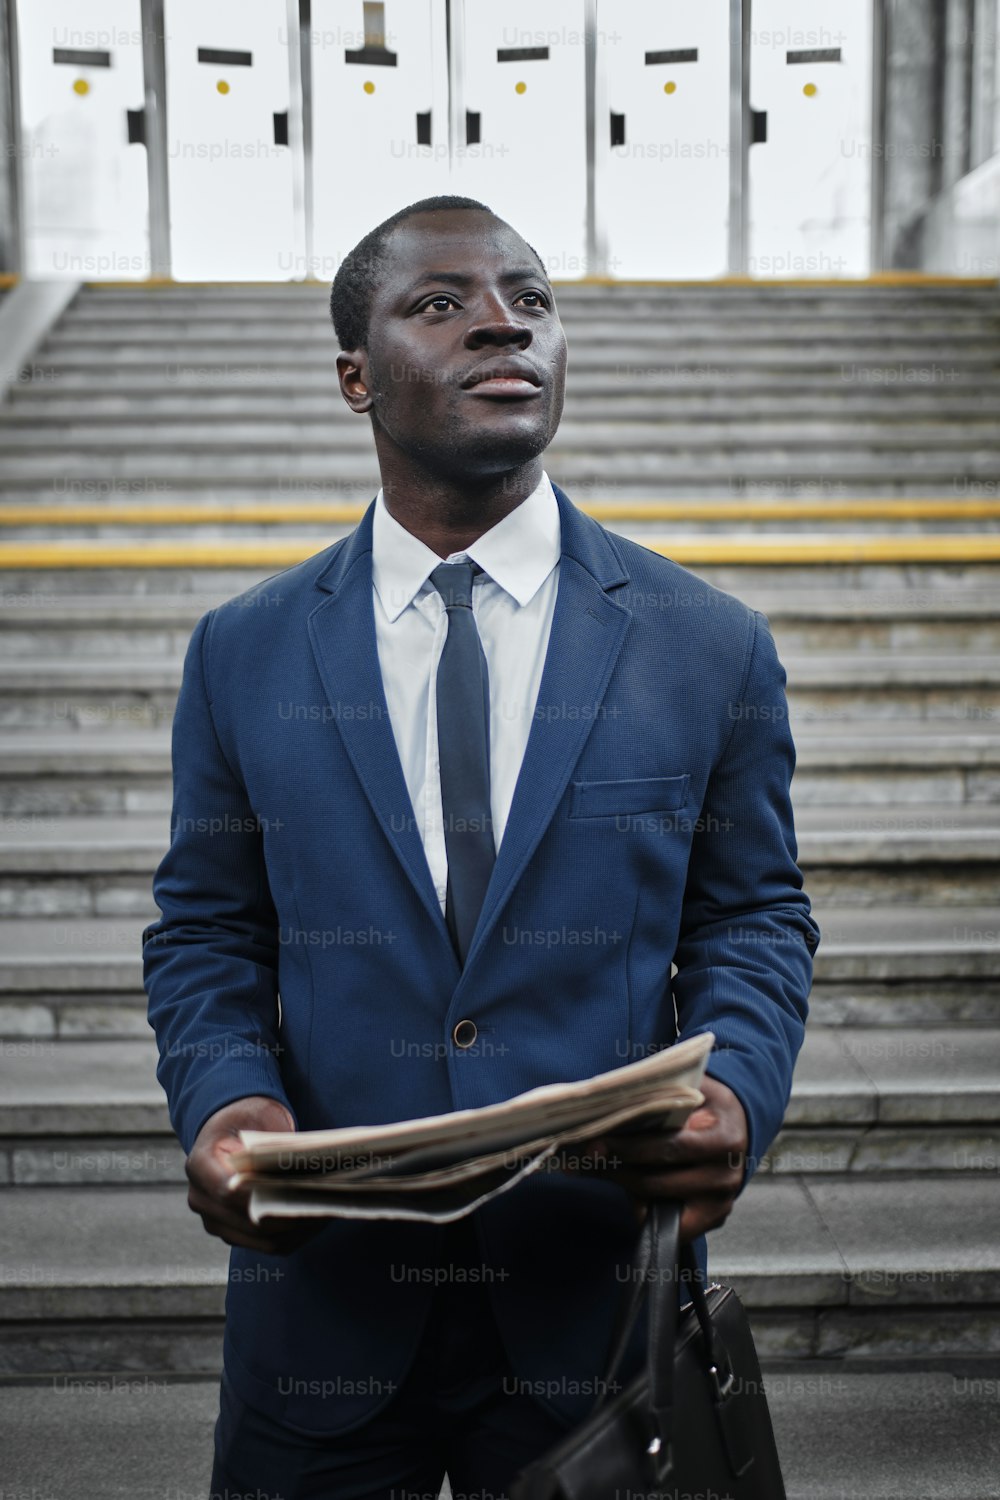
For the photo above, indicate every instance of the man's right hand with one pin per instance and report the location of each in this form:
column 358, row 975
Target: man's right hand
column 224, row 1210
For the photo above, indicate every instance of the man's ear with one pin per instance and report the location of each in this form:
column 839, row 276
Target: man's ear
column 352, row 372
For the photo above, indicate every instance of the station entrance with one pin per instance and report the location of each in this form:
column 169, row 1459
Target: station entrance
column 224, row 139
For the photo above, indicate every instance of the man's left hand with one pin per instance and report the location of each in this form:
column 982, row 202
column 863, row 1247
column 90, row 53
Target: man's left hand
column 701, row 1164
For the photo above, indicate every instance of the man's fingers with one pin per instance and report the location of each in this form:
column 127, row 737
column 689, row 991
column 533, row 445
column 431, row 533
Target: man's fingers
column 210, row 1170
column 649, row 1188
column 701, row 1215
column 269, row 1239
column 714, row 1140
column 659, row 1179
column 229, row 1212
column 223, row 1210
column 232, row 1214
column 227, row 1217
column 652, row 1149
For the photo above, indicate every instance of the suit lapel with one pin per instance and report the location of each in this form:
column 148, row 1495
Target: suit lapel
column 342, row 634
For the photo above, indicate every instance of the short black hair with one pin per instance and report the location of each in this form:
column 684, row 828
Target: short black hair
column 357, row 276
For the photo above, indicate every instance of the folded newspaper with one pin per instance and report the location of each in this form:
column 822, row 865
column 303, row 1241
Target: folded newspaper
column 444, row 1166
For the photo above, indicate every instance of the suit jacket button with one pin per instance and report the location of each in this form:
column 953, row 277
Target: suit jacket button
column 465, row 1034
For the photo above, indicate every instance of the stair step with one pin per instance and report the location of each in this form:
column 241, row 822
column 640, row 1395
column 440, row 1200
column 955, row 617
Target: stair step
column 945, row 329
column 36, row 634
column 697, row 314
column 175, row 527
column 822, row 1242
column 141, row 692
column 74, row 1089
column 892, row 943
column 803, row 336
column 843, row 836
column 862, row 1082
column 157, row 438
column 107, row 1253
column 876, row 669
column 971, row 402
column 122, row 1159
column 908, row 619
column 901, row 288
column 768, row 471
column 912, row 1000
column 59, row 1434
column 776, row 480
column 181, row 611
column 806, row 340
column 102, row 864
column 934, row 578
column 892, row 389
column 854, row 1266
column 89, row 957
column 110, row 769
column 896, row 1076
column 885, row 1436
column 889, row 1435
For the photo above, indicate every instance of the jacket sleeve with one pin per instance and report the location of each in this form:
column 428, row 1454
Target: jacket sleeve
column 211, row 962
column 747, row 938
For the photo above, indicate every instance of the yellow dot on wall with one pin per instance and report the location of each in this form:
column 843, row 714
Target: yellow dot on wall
column 81, row 87
column 810, row 90
column 369, row 88
column 222, row 86
column 520, row 88
column 670, row 88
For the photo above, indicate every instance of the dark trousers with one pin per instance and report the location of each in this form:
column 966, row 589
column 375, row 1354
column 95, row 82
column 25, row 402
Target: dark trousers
column 460, row 1411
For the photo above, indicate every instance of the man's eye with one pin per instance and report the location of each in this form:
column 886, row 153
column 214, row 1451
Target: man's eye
column 540, row 300
column 441, row 297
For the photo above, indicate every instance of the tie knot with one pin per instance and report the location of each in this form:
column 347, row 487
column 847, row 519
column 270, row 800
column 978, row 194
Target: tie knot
column 453, row 582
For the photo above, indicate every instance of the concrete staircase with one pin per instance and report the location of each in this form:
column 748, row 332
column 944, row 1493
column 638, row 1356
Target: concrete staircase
column 830, row 454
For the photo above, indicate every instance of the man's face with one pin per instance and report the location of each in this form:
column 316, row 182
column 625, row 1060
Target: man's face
column 466, row 357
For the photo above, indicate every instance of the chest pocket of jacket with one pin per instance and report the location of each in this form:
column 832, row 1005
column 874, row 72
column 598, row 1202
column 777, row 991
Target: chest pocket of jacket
column 603, row 799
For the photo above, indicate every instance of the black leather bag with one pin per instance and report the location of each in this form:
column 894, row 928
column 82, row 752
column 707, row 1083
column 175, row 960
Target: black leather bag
column 696, row 1423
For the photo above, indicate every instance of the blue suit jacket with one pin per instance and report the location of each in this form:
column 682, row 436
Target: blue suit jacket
column 302, row 954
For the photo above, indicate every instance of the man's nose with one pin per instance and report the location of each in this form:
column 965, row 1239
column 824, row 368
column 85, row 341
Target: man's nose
column 495, row 322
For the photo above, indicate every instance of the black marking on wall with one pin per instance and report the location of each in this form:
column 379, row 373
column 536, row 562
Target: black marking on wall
column 79, row 57
column 814, row 55
column 522, row 54
column 224, row 56
column 371, row 57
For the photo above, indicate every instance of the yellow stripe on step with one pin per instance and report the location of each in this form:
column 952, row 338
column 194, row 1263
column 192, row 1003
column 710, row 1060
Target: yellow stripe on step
column 776, row 550
column 266, row 512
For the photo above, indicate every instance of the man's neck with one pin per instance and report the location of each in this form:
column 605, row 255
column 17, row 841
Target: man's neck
column 448, row 517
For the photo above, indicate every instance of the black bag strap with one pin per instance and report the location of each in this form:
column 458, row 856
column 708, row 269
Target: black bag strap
column 663, row 1299
column 629, row 1311
column 659, row 1263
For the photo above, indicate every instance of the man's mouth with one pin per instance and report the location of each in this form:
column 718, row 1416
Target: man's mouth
column 515, row 378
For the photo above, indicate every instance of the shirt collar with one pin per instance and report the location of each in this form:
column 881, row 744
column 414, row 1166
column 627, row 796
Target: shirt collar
column 518, row 553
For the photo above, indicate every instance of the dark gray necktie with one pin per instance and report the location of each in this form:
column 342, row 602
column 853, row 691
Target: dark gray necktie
column 463, row 720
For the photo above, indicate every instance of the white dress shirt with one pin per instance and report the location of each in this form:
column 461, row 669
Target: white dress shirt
column 512, row 605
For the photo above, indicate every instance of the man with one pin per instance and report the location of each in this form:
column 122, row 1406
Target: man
column 463, row 818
